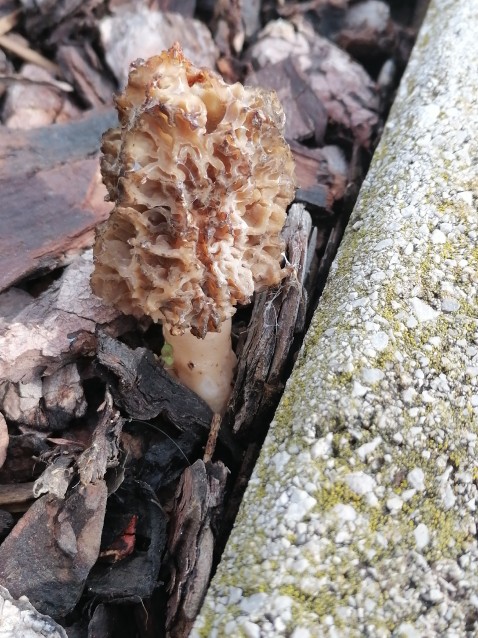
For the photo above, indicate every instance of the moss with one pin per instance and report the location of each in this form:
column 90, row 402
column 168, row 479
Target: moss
column 349, row 250
column 332, row 495
column 208, row 618
column 386, row 309
column 285, row 414
column 385, row 358
column 343, row 378
column 167, row 355
column 449, row 540
column 470, row 310
column 319, row 606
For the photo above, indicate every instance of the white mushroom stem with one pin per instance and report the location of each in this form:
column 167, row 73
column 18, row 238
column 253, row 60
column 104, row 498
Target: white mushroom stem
column 206, row 366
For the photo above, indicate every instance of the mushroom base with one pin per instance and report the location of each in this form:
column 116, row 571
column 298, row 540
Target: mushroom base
column 205, row 366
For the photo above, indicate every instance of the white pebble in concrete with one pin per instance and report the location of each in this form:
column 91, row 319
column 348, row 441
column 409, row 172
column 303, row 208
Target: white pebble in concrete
column 422, row 536
column 438, row 237
column 372, row 375
column 416, row 478
column 379, row 341
column 360, row 483
column 423, row 311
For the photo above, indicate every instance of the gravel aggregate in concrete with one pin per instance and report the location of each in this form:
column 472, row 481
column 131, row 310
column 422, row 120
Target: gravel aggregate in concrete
column 360, row 518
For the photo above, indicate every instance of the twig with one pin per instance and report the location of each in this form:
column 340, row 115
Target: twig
column 53, row 84
column 212, row 438
column 9, row 21
column 23, row 51
column 287, row 11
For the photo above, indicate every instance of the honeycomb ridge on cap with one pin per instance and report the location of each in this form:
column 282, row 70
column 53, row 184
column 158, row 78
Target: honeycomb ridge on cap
column 201, row 177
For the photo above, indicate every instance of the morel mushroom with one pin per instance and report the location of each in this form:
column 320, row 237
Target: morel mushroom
column 201, row 178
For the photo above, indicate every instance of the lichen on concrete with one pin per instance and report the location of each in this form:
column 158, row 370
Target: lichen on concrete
column 360, row 518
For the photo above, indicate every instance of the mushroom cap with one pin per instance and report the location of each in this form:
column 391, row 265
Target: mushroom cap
column 201, row 178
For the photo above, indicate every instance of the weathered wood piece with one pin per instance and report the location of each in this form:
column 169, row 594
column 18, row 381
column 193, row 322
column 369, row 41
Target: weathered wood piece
column 234, row 23
column 367, row 30
column 6, row 523
column 143, row 32
column 144, row 389
column 49, row 553
column 342, row 85
column 26, row 153
column 186, row 8
column 49, row 331
column 104, row 451
column 135, row 577
column 43, row 340
column 91, row 465
column 16, row 495
column 370, row 34
column 310, row 164
column 59, row 18
column 23, row 464
column 355, row 177
column 56, row 477
column 274, row 321
column 306, row 117
column 321, row 175
column 107, row 621
column 81, row 67
column 52, row 196
column 21, row 403
column 33, row 99
column 198, row 499
column 63, row 397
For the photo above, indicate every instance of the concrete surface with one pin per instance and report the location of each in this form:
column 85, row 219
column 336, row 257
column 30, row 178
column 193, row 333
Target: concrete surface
column 360, row 518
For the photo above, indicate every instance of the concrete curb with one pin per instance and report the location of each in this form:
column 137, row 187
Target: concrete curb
column 360, row 518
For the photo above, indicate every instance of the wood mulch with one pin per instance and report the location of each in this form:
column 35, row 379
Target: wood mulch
column 118, row 485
